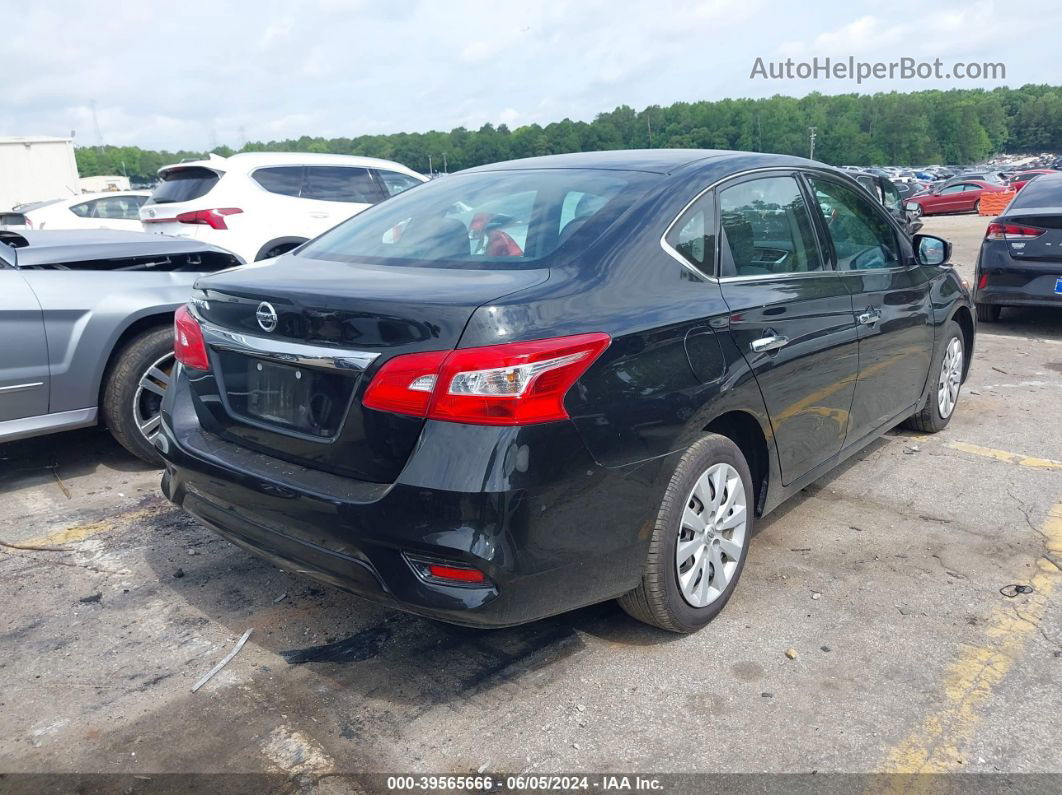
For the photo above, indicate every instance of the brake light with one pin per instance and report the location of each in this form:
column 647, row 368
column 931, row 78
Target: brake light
column 215, row 218
column 189, row 348
column 982, row 283
column 517, row 383
column 997, row 231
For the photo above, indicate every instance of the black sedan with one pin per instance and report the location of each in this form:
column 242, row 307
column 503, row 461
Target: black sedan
column 546, row 383
column 1020, row 262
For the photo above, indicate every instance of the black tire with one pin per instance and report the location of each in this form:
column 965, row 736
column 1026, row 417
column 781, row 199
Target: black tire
column 120, row 389
column 276, row 249
column 977, row 207
column 929, row 418
column 988, row 313
column 658, row 599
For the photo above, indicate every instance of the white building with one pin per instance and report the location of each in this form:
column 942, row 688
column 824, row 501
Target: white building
column 35, row 168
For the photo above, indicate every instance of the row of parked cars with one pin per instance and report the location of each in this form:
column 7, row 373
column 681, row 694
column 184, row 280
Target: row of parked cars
column 936, row 190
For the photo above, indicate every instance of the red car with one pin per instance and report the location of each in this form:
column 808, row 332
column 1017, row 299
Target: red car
column 962, row 197
column 1018, row 180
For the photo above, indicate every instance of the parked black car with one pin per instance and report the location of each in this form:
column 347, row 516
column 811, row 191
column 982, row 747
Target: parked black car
column 546, row 383
column 1020, row 262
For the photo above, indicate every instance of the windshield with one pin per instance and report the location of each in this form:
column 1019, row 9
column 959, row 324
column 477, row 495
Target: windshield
column 496, row 217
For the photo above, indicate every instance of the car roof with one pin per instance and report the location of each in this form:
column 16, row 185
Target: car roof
column 657, row 161
column 248, row 161
column 47, row 247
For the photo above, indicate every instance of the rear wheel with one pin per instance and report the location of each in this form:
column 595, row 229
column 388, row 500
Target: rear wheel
column 988, row 313
column 700, row 539
column 944, row 396
column 977, row 207
column 133, row 390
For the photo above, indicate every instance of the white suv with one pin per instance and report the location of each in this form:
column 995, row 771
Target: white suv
column 261, row 204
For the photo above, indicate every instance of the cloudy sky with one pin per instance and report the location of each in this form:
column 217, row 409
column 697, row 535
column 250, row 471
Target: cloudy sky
column 196, row 74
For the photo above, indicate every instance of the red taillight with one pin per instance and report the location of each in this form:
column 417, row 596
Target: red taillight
column 517, row 383
column 405, row 384
column 215, row 218
column 188, row 345
column 982, row 283
column 997, row 231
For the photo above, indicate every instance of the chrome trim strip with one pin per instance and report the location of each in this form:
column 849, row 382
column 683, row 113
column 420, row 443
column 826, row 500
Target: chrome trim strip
column 298, row 353
column 20, row 387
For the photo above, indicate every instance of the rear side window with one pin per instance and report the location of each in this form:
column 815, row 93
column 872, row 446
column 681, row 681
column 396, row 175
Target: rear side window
column 184, row 184
column 340, row 184
column 83, row 210
column 486, row 217
column 394, row 183
column 767, row 229
column 693, row 235
column 285, row 180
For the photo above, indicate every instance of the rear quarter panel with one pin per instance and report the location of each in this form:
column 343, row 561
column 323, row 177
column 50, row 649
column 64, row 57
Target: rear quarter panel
column 85, row 314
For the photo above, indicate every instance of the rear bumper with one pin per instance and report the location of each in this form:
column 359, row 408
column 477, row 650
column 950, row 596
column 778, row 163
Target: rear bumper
column 551, row 529
column 1012, row 282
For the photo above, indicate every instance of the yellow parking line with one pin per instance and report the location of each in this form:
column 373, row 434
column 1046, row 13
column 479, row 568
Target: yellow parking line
column 936, row 746
column 77, row 533
column 1003, row 455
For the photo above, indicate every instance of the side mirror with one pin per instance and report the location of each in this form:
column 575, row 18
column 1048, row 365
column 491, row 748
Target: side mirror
column 930, row 250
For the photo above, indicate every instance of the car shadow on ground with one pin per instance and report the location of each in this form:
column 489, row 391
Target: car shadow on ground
column 38, row 461
column 1027, row 321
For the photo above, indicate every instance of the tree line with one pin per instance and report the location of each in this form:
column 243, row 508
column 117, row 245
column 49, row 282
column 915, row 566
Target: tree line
column 959, row 126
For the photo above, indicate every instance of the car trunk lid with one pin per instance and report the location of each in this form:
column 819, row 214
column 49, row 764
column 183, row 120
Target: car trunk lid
column 293, row 344
column 1030, row 247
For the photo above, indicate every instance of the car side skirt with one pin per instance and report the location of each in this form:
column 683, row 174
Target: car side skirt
column 25, row 427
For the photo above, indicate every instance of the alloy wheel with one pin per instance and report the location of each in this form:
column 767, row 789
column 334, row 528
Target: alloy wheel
column 147, row 402
column 950, row 378
column 712, row 534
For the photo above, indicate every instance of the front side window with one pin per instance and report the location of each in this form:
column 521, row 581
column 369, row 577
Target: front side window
column 340, row 184
column 862, row 238
column 487, row 217
column 952, row 189
column 766, row 229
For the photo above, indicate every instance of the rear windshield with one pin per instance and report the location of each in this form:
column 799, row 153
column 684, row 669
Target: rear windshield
column 1044, row 191
column 184, row 184
column 500, row 217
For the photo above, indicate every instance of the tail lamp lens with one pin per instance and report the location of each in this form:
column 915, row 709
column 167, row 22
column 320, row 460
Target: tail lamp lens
column 189, row 348
column 517, row 383
column 998, row 231
column 214, row 218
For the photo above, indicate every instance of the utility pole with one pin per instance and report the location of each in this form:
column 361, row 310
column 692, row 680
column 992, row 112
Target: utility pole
column 811, row 142
column 446, row 168
column 649, row 124
column 429, row 166
column 96, row 124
